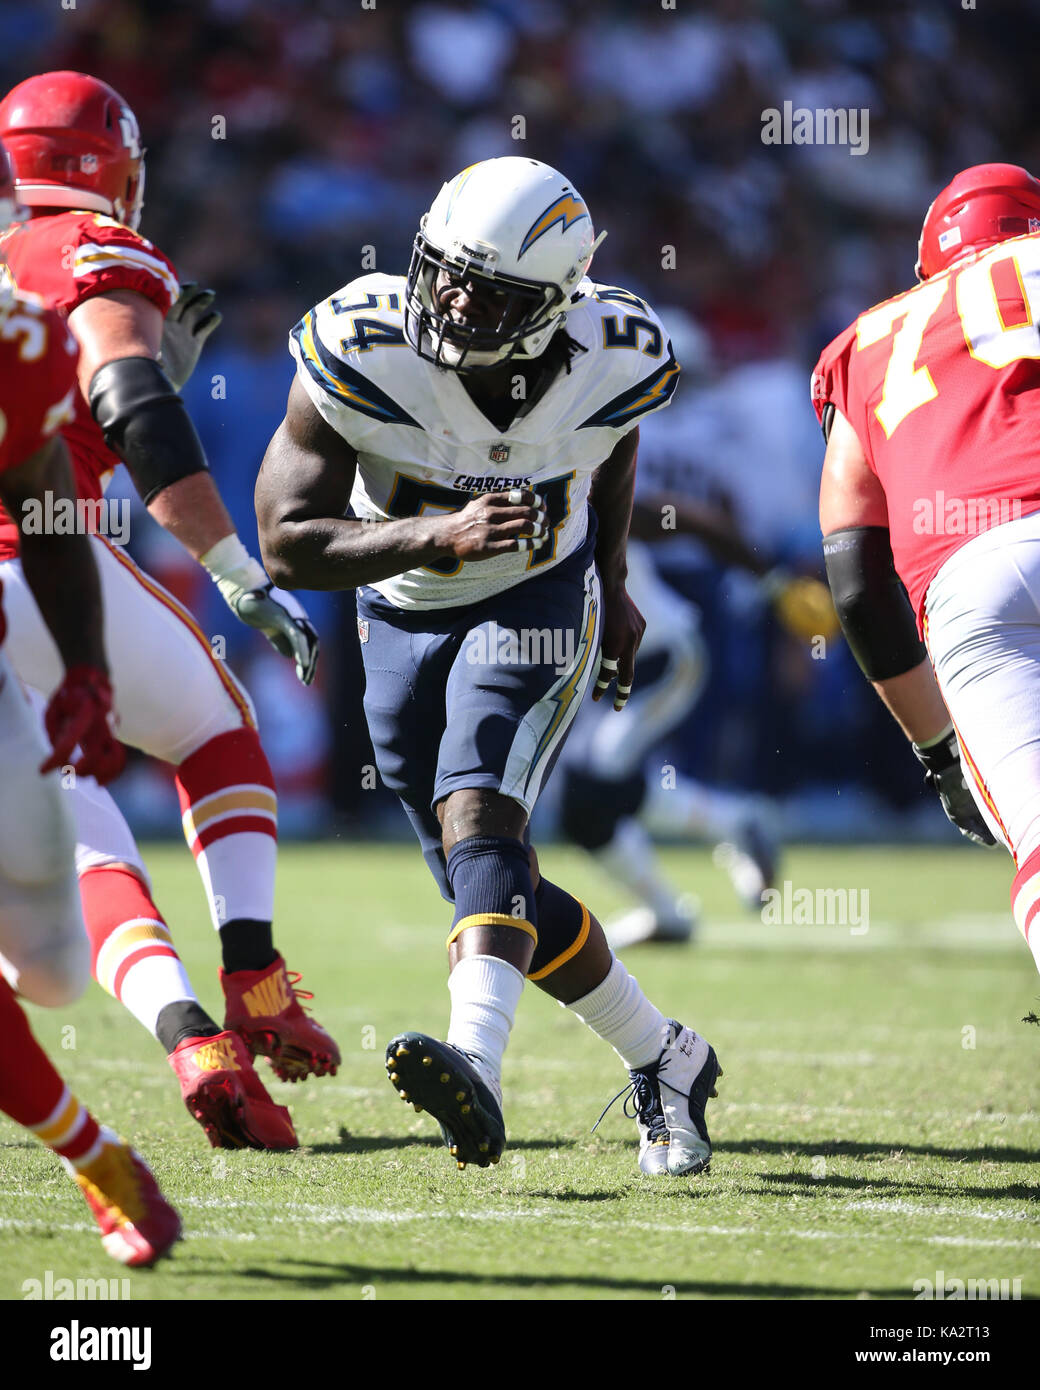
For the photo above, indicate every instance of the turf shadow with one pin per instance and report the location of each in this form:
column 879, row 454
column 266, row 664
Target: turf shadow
column 373, row 1143
column 806, row 1182
column 324, row 1275
column 856, row 1148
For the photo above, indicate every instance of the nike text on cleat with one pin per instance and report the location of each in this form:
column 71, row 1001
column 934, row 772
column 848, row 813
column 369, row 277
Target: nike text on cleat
column 223, row 1092
column 137, row 1223
column 443, row 1080
column 686, row 1073
column 263, row 1006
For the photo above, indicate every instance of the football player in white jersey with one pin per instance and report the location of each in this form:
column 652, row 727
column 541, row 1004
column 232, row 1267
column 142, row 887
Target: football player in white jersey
column 478, row 418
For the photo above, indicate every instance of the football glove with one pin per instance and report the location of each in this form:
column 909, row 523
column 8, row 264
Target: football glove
column 802, row 604
column 77, row 716
column 255, row 601
column 188, row 324
column 941, row 761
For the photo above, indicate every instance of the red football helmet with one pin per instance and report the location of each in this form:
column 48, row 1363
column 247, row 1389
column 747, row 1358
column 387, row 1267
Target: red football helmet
column 983, row 205
column 74, row 143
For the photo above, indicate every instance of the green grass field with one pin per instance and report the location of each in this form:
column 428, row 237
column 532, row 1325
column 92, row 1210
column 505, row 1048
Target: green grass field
column 877, row 1121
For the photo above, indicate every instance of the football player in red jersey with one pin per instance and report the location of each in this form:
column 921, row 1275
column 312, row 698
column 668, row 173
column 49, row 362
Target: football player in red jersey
column 931, row 408
column 43, row 948
column 78, row 165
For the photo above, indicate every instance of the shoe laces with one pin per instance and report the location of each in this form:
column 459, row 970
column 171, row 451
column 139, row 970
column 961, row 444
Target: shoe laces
column 644, row 1097
column 294, row 977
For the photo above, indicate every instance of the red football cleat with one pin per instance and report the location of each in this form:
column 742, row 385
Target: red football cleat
column 137, row 1223
column 223, row 1092
column 263, row 1006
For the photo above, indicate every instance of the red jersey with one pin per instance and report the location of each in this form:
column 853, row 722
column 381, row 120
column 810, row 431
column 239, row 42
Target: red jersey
column 941, row 385
column 38, row 384
column 66, row 258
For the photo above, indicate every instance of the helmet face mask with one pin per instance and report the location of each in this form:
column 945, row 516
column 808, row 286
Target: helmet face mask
column 519, row 310
column 11, row 210
column 517, row 238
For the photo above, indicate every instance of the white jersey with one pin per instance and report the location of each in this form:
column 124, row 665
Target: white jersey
column 423, row 446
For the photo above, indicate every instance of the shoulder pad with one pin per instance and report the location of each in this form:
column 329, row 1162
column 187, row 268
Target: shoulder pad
column 348, row 352
column 635, row 365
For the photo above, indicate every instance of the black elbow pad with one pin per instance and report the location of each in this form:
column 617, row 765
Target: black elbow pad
column 144, row 421
column 871, row 603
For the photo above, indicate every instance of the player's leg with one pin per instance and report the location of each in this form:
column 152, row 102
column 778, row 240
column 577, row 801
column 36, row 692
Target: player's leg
column 983, row 634
column 408, row 662
column 177, row 702
column 672, row 1069
column 137, row 1224
column 134, row 959
column 503, row 709
column 614, row 800
column 43, row 950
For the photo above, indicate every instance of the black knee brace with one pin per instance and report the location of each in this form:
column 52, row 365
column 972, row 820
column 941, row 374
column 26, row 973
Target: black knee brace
column 563, row 929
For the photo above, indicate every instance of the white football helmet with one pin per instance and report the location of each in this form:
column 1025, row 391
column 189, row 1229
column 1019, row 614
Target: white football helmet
column 515, row 228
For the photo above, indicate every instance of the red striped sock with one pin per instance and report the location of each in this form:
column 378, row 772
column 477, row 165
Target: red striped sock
column 1025, row 902
column 132, row 952
column 34, row 1095
column 229, row 812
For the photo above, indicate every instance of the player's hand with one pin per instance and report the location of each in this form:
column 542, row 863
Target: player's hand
column 189, row 323
column 802, row 604
column 623, row 628
column 78, row 716
column 943, row 772
column 281, row 618
column 496, row 523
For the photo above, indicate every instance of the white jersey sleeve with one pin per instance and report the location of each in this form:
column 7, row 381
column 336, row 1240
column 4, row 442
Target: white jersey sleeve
column 423, row 445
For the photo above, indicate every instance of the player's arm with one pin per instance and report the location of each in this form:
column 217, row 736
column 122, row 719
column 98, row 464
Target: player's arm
column 714, row 526
column 878, row 622
column 143, row 418
column 307, row 542
column 63, row 579
column 611, row 497
column 145, row 422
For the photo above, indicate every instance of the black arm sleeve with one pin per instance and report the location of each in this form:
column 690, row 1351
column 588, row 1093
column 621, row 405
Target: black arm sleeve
column 144, row 421
column 871, row 603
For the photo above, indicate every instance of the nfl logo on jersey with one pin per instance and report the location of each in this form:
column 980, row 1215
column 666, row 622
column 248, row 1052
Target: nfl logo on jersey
column 498, row 453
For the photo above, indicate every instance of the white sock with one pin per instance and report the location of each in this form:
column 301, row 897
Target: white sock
column 620, row 1013
column 629, row 857
column 485, row 991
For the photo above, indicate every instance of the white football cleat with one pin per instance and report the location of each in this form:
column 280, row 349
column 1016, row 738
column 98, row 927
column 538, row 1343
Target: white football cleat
column 643, row 925
column 686, row 1073
column 750, row 859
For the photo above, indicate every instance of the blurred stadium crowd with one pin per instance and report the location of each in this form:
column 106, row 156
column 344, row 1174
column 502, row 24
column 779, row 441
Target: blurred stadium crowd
column 286, row 135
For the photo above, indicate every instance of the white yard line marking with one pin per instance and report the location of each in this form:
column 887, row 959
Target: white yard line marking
column 377, row 1216
column 899, row 1207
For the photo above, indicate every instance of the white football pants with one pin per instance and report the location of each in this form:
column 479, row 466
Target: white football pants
column 982, row 627
column 44, row 953
column 170, row 693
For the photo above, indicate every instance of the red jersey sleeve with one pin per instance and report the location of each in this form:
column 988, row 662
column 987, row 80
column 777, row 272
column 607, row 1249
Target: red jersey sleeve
column 38, row 384
column 69, row 257
column 830, row 378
